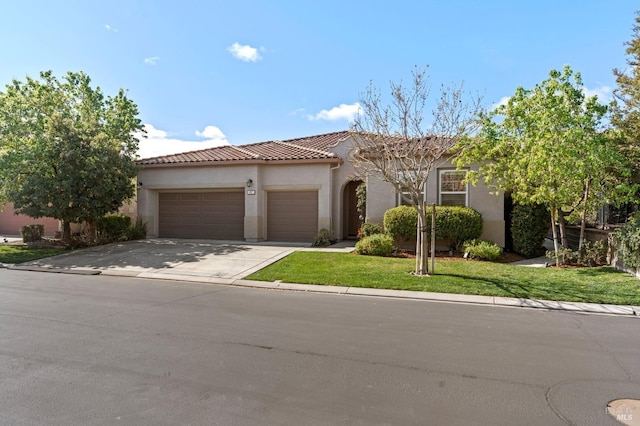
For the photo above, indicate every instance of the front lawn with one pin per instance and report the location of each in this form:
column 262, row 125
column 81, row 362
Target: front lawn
column 593, row 285
column 19, row 254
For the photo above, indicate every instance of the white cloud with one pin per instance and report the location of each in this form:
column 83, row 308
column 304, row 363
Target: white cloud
column 604, row 93
column 110, row 28
column 342, row 112
column 503, row 101
column 245, row 52
column 211, row 133
column 158, row 142
column 152, row 60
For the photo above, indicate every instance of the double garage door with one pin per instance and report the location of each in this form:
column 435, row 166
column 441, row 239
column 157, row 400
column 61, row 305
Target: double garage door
column 205, row 215
column 291, row 216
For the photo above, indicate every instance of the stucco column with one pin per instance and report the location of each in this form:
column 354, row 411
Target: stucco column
column 324, row 202
column 148, row 209
column 253, row 206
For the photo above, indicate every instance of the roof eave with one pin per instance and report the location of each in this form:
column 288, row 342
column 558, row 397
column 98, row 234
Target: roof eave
column 335, row 160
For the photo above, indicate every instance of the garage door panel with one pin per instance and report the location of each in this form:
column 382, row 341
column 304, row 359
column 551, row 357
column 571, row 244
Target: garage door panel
column 209, row 215
column 292, row 216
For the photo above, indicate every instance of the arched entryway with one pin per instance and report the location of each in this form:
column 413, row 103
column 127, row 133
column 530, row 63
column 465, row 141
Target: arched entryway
column 350, row 215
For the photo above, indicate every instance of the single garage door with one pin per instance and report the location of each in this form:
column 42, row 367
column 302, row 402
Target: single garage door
column 292, row 216
column 10, row 223
column 206, row 215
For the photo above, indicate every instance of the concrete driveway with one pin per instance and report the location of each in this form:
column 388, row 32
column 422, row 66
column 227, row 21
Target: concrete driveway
column 188, row 260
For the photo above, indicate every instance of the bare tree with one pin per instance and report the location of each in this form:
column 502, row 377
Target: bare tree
column 393, row 140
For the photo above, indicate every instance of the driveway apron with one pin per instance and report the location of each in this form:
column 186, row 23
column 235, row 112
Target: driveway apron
column 189, row 260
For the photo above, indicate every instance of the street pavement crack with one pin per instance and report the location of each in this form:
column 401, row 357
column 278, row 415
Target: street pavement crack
column 593, row 338
column 554, row 410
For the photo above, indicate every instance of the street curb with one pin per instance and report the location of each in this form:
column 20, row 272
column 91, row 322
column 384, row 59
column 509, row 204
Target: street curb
column 74, row 271
column 593, row 308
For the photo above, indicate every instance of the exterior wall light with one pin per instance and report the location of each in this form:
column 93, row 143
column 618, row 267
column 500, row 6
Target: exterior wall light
column 249, row 183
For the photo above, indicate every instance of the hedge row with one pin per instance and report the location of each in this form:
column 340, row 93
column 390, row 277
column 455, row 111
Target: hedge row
column 456, row 223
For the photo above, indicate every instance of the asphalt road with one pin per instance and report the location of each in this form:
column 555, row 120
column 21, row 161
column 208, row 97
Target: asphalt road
column 95, row 350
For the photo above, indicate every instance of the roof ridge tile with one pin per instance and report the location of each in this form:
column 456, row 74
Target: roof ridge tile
column 246, row 152
column 294, row 145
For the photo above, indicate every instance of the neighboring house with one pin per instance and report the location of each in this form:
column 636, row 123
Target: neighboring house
column 283, row 191
column 10, row 223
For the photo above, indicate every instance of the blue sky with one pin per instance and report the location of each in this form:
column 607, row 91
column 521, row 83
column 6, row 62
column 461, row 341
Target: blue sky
column 211, row 72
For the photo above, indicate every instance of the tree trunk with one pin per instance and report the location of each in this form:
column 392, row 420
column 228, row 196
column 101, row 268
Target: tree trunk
column 563, row 229
column 421, row 251
column 418, row 247
column 583, row 222
column 554, row 232
column 91, row 230
column 433, row 238
column 66, row 231
column 425, row 241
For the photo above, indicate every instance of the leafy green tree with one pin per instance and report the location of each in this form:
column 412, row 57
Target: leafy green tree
column 66, row 150
column 626, row 109
column 548, row 146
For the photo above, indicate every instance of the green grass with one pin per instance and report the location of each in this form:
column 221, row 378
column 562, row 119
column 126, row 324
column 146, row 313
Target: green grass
column 593, row 285
column 19, row 254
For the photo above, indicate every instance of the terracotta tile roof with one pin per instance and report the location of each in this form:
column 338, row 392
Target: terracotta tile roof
column 306, row 148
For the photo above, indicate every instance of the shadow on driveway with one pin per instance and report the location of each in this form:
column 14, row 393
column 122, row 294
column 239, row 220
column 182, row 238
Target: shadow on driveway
column 204, row 258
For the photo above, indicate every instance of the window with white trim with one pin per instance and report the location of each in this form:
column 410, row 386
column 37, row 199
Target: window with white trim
column 404, row 199
column 452, row 188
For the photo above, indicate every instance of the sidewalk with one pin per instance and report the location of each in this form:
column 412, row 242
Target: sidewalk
column 349, row 246
column 449, row 297
column 135, row 263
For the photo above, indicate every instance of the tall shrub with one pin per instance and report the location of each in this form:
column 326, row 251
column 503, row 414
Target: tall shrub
column 401, row 224
column 529, row 228
column 456, row 223
column 628, row 242
column 112, row 227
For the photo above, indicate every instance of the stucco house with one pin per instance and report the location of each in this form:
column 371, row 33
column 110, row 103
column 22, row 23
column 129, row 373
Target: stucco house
column 10, row 223
column 283, row 191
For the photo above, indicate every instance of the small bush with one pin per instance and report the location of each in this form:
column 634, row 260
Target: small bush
column 592, row 253
column 368, row 229
column 323, row 238
column 529, row 228
column 112, row 228
column 628, row 242
column 401, row 223
column 375, row 245
column 482, row 249
column 32, row 233
column 137, row 231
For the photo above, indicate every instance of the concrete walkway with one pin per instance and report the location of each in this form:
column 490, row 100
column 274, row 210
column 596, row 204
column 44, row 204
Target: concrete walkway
column 229, row 262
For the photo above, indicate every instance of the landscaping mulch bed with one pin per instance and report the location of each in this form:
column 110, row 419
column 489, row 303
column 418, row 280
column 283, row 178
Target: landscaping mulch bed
column 506, row 257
